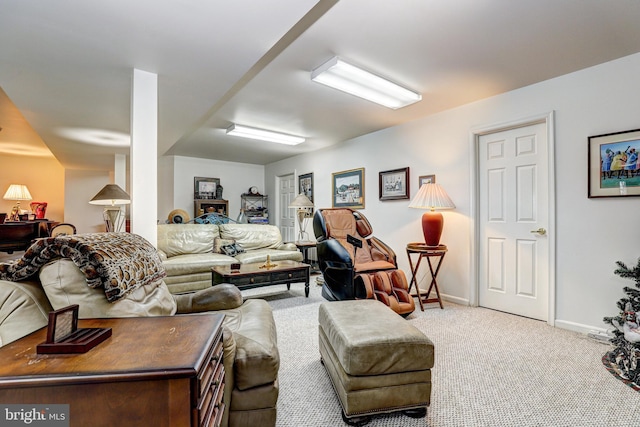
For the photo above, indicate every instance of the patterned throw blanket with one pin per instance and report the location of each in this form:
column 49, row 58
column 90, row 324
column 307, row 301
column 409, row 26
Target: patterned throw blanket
column 119, row 262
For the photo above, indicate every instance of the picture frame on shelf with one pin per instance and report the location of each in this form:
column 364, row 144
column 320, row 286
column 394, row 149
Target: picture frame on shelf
column 394, row 184
column 305, row 185
column 205, row 188
column 348, row 189
column 426, row 179
column 614, row 164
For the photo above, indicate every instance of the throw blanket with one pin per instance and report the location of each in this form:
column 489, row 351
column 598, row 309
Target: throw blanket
column 119, row 262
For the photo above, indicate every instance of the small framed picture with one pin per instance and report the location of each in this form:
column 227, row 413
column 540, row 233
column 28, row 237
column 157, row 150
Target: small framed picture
column 394, row 184
column 62, row 323
column 348, row 189
column 205, row 188
column 426, row 179
column 305, row 185
column 614, row 164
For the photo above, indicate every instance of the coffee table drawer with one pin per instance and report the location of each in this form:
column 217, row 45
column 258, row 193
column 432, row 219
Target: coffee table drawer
column 255, row 279
column 289, row 275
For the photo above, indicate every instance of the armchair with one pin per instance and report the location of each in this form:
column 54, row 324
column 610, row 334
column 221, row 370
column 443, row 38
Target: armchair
column 355, row 264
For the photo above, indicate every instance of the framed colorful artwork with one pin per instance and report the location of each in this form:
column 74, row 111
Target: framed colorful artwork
column 348, row 189
column 614, row 164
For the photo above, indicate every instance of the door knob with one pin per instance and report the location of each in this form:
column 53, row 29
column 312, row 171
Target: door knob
column 541, row 231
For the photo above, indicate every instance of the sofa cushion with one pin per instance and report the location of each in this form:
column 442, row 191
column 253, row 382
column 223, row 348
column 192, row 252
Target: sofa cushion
column 219, row 242
column 24, row 308
column 260, row 255
column 195, row 263
column 65, row 284
column 254, row 331
column 252, row 236
column 180, row 239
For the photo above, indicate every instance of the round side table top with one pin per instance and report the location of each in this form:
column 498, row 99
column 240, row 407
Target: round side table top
column 423, row 247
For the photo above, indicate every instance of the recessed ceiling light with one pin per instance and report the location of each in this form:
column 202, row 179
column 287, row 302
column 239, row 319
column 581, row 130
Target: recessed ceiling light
column 263, row 135
column 338, row 74
column 96, row 136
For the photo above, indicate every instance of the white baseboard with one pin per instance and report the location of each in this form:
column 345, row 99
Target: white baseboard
column 578, row 327
column 454, row 299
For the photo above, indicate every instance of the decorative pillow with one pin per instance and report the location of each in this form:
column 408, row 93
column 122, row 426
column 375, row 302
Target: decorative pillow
column 219, row 242
column 233, row 249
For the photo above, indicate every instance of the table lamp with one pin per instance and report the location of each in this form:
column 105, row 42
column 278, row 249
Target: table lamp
column 432, row 197
column 110, row 196
column 305, row 207
column 16, row 192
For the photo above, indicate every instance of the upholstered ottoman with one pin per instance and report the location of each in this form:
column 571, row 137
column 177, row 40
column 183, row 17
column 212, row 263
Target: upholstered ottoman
column 377, row 361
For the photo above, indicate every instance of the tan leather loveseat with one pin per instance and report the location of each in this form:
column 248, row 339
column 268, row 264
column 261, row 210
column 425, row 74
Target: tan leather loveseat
column 251, row 357
column 188, row 251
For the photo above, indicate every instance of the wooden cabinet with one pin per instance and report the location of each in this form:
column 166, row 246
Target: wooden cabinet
column 204, row 206
column 156, row 371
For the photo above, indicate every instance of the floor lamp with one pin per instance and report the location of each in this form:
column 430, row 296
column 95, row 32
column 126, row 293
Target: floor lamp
column 16, row 192
column 432, row 197
column 110, row 197
column 304, row 207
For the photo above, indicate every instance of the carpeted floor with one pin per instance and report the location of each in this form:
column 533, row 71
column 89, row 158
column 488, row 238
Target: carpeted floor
column 492, row 369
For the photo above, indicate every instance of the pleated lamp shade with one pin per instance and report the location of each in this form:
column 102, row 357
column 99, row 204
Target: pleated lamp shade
column 432, row 197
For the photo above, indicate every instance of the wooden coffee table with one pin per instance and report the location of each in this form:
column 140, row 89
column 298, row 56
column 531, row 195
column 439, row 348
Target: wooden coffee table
column 253, row 276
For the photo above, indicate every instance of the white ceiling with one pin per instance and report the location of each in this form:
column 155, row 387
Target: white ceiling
column 68, row 64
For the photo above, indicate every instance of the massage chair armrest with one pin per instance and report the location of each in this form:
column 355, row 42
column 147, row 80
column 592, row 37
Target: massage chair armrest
column 332, row 250
column 381, row 252
column 219, row 297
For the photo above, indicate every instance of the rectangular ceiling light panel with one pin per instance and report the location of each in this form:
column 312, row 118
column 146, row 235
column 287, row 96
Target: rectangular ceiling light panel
column 263, row 135
column 348, row 78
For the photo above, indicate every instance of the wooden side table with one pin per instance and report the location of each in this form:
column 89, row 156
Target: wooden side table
column 304, row 248
column 152, row 371
column 428, row 252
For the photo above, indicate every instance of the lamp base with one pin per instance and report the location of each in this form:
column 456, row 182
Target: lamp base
column 432, row 223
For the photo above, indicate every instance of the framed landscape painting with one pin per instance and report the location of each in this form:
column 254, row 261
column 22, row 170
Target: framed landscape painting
column 348, row 189
column 614, row 164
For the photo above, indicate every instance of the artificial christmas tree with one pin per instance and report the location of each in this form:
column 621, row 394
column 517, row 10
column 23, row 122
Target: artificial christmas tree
column 624, row 359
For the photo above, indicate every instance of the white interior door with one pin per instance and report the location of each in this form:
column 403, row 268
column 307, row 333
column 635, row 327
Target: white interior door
column 514, row 255
column 286, row 220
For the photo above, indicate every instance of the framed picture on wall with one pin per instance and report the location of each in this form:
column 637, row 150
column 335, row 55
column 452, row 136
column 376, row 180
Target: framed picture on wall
column 305, row 185
column 614, row 164
column 394, row 184
column 348, row 189
column 426, row 179
column 205, row 188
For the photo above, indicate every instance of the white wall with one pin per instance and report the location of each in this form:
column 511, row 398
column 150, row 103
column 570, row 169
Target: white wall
column 591, row 234
column 176, row 182
column 80, row 187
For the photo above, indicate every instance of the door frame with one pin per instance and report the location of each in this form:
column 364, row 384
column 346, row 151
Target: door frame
column 475, row 134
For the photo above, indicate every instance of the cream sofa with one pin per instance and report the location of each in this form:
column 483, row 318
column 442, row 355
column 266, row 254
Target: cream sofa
column 251, row 357
column 187, row 250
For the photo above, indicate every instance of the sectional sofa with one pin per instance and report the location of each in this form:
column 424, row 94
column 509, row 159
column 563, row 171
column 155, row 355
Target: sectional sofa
column 188, row 251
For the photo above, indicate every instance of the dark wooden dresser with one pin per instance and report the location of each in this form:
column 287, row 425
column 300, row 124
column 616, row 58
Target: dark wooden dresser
column 152, row 371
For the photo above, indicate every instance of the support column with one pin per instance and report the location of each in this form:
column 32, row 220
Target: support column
column 144, row 155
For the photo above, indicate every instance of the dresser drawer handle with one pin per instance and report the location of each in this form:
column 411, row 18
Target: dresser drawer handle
column 252, row 280
column 290, row 275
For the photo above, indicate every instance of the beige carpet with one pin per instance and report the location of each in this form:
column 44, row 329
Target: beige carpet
column 492, row 369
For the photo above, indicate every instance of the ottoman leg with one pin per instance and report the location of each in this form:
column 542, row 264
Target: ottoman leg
column 416, row 413
column 356, row 421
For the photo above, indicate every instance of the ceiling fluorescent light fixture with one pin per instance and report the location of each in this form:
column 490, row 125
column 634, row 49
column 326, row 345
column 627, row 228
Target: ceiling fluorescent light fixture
column 348, row 78
column 263, row 135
